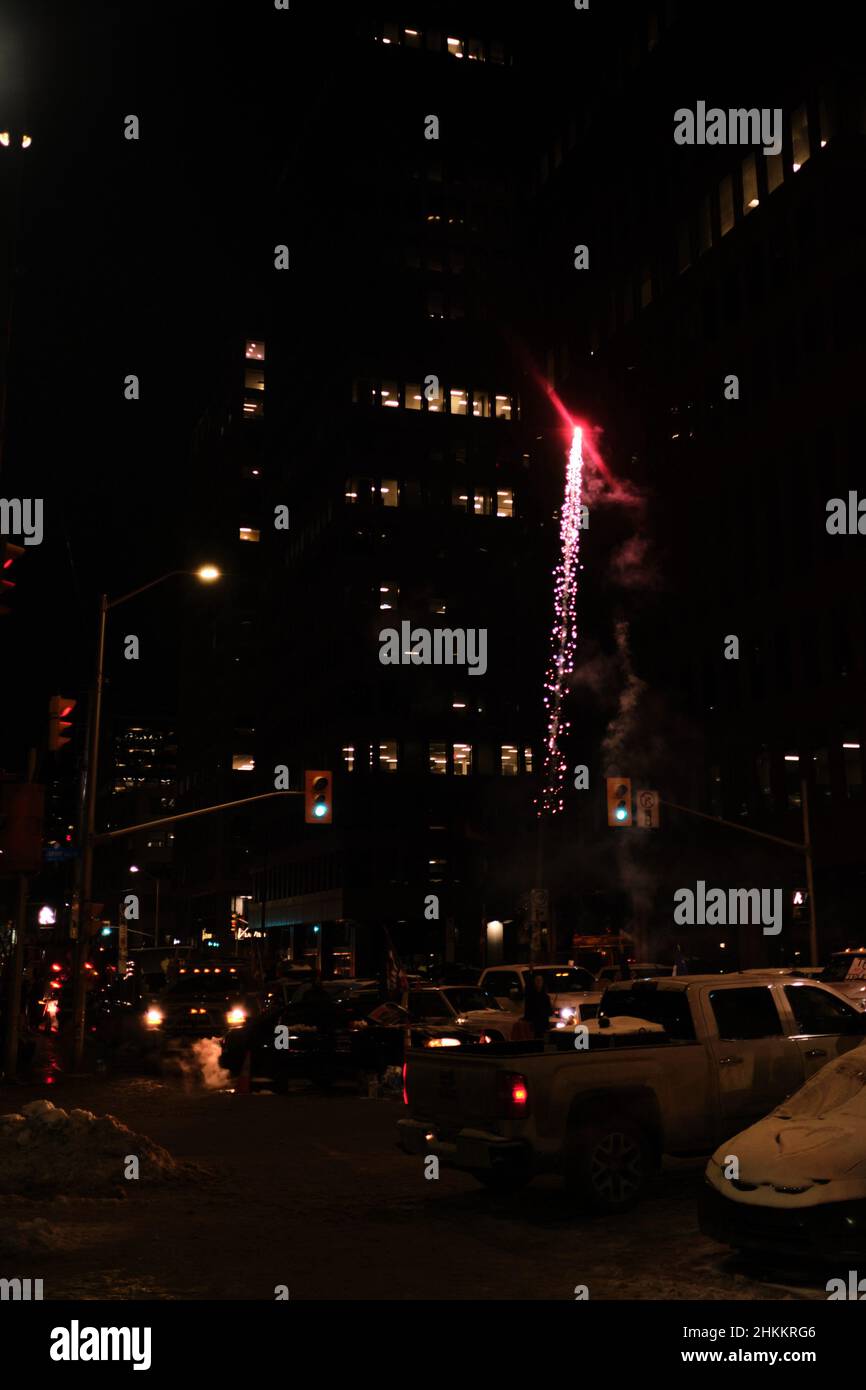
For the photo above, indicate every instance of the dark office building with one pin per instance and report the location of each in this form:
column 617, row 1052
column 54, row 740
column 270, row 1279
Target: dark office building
column 716, row 337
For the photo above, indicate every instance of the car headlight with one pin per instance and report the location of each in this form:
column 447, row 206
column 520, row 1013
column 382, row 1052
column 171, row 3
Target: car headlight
column 153, row 1018
column 235, row 1016
column 567, row 1012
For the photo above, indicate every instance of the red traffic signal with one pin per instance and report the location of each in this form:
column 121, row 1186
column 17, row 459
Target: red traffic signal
column 59, row 709
column 9, row 553
column 318, row 799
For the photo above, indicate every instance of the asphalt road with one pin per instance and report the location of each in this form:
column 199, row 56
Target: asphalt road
column 309, row 1191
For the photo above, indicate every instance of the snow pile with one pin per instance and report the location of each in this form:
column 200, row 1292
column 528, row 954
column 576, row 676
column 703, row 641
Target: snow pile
column 47, row 1150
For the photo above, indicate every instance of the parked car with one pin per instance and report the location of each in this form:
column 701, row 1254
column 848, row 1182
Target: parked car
column 465, row 1005
column 800, row 1184
column 573, row 992
column 603, row 1115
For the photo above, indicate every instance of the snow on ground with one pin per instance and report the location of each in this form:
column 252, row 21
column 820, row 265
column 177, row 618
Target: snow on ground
column 46, row 1150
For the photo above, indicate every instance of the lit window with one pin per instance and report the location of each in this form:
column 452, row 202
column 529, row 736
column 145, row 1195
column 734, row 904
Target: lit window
column 824, row 122
column 508, row 760
column 388, row 756
column 853, row 769
column 475, row 49
column 389, row 595
column 504, row 501
column 481, row 404
column 775, row 171
column 349, row 757
column 439, row 758
column 455, row 47
column 254, row 379
column 255, row 352
column 462, row 759
column 390, row 393
column 243, row 762
column 726, row 204
column 483, row 505
column 436, row 402
column 253, row 409
column 249, row 533
column 460, row 498
column 412, row 38
column 503, row 407
column 527, row 760
column 705, row 227
column 799, row 138
column 459, row 401
column 413, row 395
column 389, row 492
column 750, row 184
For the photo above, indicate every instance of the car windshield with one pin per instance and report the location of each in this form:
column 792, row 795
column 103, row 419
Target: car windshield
column 465, row 1000
column 565, row 979
column 844, row 967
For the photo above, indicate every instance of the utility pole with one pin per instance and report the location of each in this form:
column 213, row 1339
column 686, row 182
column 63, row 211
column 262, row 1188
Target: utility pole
column 88, row 823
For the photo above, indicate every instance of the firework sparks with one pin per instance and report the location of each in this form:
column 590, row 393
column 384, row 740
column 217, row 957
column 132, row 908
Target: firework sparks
column 564, row 634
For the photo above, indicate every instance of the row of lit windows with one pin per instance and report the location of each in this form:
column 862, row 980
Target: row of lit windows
column 254, row 384
column 475, row 50
column 385, row 492
column 736, row 196
column 394, row 395
column 442, row 758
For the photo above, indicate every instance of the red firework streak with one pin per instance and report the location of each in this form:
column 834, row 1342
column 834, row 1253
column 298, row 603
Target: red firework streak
column 564, row 634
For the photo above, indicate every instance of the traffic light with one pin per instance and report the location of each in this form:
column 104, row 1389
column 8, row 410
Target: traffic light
column 318, row 801
column 9, row 553
column 59, row 709
column 618, row 800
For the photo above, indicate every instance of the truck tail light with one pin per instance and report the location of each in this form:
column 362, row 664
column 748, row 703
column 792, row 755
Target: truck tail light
column 514, row 1093
column 405, row 1092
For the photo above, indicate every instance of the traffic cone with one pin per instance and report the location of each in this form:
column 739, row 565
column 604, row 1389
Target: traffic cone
column 244, row 1086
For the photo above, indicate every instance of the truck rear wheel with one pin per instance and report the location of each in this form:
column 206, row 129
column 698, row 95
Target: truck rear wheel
column 608, row 1164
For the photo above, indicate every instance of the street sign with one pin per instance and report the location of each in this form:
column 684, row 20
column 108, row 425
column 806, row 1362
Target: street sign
column 55, row 853
column 648, row 810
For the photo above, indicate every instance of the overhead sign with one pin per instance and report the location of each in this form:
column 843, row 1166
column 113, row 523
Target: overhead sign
column 647, row 810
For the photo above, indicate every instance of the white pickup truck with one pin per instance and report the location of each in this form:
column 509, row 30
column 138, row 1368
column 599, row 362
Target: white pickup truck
column 602, row 1116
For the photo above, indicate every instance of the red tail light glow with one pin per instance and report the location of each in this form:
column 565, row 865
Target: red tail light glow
column 519, row 1093
column 405, row 1092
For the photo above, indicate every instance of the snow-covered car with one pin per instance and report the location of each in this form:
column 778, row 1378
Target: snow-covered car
column 466, row 1005
column 573, row 992
column 799, row 1182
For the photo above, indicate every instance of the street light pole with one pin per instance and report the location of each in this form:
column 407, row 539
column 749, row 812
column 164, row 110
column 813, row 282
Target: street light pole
column 206, row 573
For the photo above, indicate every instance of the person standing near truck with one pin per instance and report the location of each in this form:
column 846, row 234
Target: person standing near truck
column 538, row 1008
